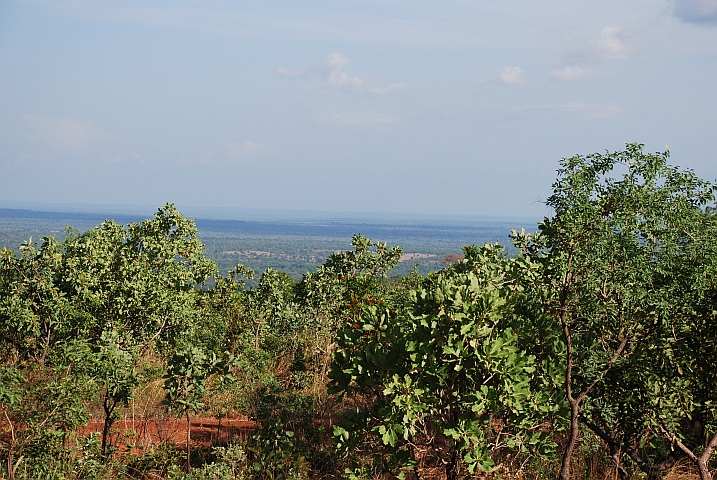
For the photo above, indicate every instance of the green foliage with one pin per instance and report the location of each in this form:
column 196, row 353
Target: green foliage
column 272, row 454
column 44, row 405
column 74, row 317
column 34, row 313
column 450, row 373
column 349, row 281
column 230, row 464
column 615, row 255
column 185, row 383
column 140, row 280
column 187, row 373
column 161, row 462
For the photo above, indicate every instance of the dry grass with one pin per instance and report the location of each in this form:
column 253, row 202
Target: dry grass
column 683, row 470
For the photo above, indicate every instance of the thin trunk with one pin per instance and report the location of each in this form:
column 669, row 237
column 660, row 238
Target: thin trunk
column 707, row 454
column 109, row 407
column 572, row 439
column 616, row 449
column 575, row 400
column 703, row 462
column 615, row 456
column 704, row 470
column 12, row 467
column 189, row 437
column 574, row 403
column 219, row 430
column 452, row 467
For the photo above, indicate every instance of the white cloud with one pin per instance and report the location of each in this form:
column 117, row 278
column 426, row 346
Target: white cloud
column 696, row 11
column 506, row 76
column 238, row 151
column 332, row 74
column 63, row 133
column 284, row 72
column 364, row 117
column 571, row 73
column 602, row 111
column 511, row 75
column 609, row 45
column 336, row 77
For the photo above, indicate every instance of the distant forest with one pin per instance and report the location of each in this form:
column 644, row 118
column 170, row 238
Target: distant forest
column 295, row 248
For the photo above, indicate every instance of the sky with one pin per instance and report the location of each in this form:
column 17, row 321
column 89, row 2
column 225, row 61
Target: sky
column 451, row 107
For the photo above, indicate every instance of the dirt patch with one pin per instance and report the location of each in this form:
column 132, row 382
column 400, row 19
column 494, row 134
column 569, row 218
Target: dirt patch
column 137, row 436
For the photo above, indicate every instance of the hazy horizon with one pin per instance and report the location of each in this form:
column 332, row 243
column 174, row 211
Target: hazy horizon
column 261, row 214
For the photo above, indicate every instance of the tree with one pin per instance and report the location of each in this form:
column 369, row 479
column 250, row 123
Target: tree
column 185, row 383
column 666, row 395
column 35, row 314
column 44, row 384
column 116, row 292
column 135, row 286
column 609, row 254
column 336, row 296
column 451, row 374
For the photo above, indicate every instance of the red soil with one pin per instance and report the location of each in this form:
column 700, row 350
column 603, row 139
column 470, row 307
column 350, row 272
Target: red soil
column 140, row 435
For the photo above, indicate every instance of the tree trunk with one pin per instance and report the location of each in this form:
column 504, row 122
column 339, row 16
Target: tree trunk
column 572, row 439
column 703, row 460
column 453, row 463
column 704, row 469
column 219, row 429
column 615, row 455
column 189, row 438
column 108, row 407
column 655, row 473
column 13, row 466
column 616, row 449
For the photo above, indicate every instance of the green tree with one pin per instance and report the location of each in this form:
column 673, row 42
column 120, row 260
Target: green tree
column 115, row 291
column 660, row 405
column 609, row 254
column 43, row 369
column 185, row 383
column 35, row 314
column 135, row 286
column 451, row 374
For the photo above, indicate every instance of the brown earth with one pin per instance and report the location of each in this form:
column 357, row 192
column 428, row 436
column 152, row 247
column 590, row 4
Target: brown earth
column 137, row 436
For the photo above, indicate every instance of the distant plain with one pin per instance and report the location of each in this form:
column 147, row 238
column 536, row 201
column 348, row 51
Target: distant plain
column 295, row 243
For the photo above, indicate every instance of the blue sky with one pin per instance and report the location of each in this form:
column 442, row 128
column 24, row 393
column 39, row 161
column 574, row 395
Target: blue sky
column 451, row 107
